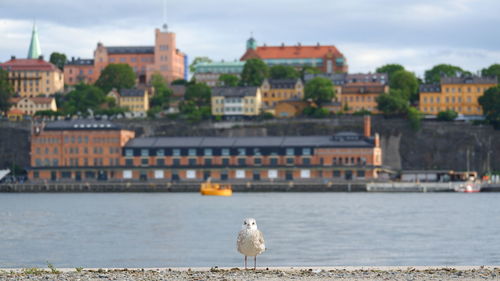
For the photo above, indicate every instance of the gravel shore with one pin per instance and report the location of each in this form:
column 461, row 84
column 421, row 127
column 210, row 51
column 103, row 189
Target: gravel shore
column 410, row 273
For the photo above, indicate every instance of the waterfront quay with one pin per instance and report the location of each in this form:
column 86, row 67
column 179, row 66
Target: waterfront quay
column 282, row 186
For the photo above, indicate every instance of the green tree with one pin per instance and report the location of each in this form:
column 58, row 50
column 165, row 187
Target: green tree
column 118, row 76
column 161, row 98
column 228, row 80
column 434, row 74
column 447, row 115
column 6, row 91
column 58, row 59
column 83, row 98
column 283, row 72
column 254, row 72
column 199, row 94
column 393, row 103
column 319, row 90
column 490, row 102
column 415, row 117
column 492, row 70
column 406, row 82
column 179, row 82
column 390, row 69
column 197, row 60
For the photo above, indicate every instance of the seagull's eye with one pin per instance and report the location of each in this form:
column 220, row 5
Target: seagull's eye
column 253, row 223
column 244, row 222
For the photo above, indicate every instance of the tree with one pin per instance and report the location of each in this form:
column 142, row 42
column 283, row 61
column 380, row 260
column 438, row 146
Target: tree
column 406, row 82
column 6, row 91
column 390, row 69
column 393, row 103
column 490, row 102
column 118, row 76
column 283, row 72
column 197, row 60
column 228, row 80
column 415, row 117
column 447, row 115
column 254, row 72
column 161, row 98
column 58, row 59
column 179, row 82
column 492, row 70
column 319, row 90
column 434, row 74
column 83, row 98
column 198, row 93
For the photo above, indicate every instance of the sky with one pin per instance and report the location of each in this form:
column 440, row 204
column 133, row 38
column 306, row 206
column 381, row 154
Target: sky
column 417, row 34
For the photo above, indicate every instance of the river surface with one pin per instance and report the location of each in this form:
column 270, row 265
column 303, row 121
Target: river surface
column 301, row 229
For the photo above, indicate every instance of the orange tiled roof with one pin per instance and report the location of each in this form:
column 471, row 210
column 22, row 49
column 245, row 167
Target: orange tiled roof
column 42, row 100
column 296, row 52
column 28, row 64
column 15, row 111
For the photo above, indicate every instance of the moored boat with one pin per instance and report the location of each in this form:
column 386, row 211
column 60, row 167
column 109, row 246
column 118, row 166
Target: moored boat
column 216, row 189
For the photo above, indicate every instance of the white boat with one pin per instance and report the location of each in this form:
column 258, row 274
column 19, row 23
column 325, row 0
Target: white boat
column 469, row 186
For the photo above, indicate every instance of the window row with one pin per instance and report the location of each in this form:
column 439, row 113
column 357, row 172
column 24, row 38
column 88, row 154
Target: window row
column 129, row 152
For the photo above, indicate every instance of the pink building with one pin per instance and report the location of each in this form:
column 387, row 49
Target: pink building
column 163, row 57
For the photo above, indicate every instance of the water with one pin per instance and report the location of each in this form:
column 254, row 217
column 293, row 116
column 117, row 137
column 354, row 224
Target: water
column 301, row 229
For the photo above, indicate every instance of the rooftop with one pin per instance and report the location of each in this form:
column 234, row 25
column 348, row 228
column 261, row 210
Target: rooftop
column 235, row 91
column 297, row 52
column 282, row 83
column 469, row 80
column 80, row 61
column 133, row 93
column 81, row 124
column 338, row 140
column 430, row 88
column 131, row 50
column 28, row 65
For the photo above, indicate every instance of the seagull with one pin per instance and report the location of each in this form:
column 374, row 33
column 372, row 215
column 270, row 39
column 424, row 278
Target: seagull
column 250, row 241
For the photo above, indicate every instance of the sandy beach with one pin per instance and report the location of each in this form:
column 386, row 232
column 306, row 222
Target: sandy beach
column 282, row 273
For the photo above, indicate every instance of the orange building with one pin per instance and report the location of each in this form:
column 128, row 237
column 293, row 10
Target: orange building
column 326, row 58
column 163, row 58
column 77, row 150
column 289, row 108
column 276, row 90
column 30, row 106
column 459, row 94
column 361, row 96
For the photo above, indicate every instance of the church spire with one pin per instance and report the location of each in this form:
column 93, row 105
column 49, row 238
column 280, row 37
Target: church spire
column 34, row 52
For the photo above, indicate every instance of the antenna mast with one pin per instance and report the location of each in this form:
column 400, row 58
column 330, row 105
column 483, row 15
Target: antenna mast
column 165, row 26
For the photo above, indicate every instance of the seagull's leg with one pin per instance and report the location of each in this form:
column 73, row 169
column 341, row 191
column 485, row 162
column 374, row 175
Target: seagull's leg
column 245, row 262
column 255, row 262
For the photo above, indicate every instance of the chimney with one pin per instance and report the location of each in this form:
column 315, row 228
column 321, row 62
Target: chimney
column 12, row 57
column 367, row 125
column 377, row 140
column 40, row 57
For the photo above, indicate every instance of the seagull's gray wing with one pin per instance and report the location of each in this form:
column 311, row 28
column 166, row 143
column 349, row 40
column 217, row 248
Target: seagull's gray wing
column 260, row 237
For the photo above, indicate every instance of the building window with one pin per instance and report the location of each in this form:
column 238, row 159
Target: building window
column 144, row 161
column 273, row 161
column 257, row 161
column 290, row 161
column 192, row 152
column 192, row 161
column 160, row 152
column 306, row 161
column 129, row 152
column 336, row 174
column 361, row 174
column 256, row 152
column 225, row 161
column 176, row 162
column 160, row 162
column 144, row 152
column 242, row 151
column 207, row 161
column 290, row 151
column 207, row 152
column 242, row 161
column 306, row 151
column 176, row 152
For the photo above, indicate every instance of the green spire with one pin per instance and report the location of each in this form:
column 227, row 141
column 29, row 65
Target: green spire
column 251, row 44
column 34, row 51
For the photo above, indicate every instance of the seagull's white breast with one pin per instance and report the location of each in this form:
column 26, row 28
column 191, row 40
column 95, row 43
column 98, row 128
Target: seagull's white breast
column 250, row 242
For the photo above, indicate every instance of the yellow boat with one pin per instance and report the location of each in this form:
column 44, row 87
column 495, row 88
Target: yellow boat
column 216, row 189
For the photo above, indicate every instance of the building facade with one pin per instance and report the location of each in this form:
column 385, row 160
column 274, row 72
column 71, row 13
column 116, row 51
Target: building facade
column 163, row 58
column 326, row 58
column 276, row 90
column 209, row 73
column 30, row 106
column 135, row 100
column 82, row 150
column 77, row 150
column 357, row 97
column 459, row 94
column 236, row 102
column 33, row 77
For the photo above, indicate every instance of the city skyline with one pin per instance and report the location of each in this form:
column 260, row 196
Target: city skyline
column 416, row 35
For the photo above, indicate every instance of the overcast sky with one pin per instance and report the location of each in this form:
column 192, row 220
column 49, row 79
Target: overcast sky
column 417, row 34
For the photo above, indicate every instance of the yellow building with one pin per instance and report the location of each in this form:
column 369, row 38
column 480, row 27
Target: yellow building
column 459, row 94
column 276, row 90
column 136, row 100
column 236, row 102
column 33, row 77
column 361, row 96
column 30, row 106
